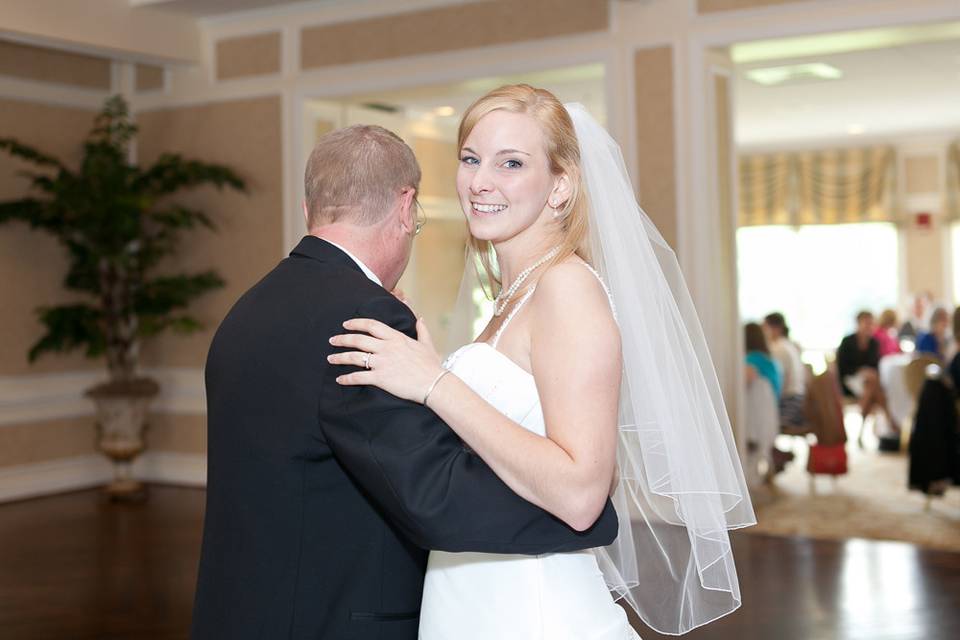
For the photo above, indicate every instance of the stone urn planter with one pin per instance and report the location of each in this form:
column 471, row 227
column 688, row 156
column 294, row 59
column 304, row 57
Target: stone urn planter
column 122, row 408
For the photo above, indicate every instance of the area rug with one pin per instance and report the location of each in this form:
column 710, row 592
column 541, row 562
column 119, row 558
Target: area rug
column 871, row 501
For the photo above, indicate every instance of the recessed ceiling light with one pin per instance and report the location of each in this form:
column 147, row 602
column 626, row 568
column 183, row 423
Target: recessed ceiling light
column 855, row 129
column 771, row 76
column 445, row 112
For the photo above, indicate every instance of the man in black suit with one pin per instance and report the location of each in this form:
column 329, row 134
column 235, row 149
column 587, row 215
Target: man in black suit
column 321, row 499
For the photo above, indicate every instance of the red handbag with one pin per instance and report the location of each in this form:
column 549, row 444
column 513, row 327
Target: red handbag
column 830, row 459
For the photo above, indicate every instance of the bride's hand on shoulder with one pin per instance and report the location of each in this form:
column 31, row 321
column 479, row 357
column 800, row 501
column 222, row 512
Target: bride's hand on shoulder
column 393, row 361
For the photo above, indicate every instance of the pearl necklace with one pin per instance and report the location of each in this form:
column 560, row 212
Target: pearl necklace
column 505, row 296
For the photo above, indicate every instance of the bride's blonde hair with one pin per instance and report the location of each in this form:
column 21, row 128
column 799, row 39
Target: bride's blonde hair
column 563, row 153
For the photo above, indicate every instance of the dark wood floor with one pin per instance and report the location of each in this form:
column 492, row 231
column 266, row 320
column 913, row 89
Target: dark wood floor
column 74, row 567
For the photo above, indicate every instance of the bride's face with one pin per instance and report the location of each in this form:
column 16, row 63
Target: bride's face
column 504, row 179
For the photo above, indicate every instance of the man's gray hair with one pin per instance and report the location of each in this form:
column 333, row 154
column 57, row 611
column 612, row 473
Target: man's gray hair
column 356, row 174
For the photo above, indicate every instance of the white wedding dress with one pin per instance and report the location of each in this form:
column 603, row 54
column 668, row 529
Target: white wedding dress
column 484, row 596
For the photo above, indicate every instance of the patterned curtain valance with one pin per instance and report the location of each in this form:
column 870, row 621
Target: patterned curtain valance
column 953, row 182
column 818, row 187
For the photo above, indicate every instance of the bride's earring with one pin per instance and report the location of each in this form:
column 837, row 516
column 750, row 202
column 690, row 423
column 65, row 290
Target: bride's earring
column 556, row 209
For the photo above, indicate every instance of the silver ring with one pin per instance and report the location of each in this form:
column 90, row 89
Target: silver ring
column 366, row 360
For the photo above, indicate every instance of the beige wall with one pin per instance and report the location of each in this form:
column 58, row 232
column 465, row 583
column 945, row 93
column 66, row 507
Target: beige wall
column 656, row 175
column 926, row 260
column 113, row 28
column 712, row 6
column 463, row 26
column 177, row 433
column 32, row 264
column 438, row 160
column 244, row 134
column 44, row 441
column 48, row 65
column 921, row 174
column 148, row 77
column 438, row 264
column 248, row 56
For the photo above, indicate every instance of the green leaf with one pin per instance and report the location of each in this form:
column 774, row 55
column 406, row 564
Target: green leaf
column 69, row 327
column 162, row 295
column 171, row 172
column 182, row 325
column 29, row 210
column 180, row 217
column 25, row 152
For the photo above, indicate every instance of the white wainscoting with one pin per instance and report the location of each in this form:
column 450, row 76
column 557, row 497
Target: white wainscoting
column 70, row 474
column 37, row 398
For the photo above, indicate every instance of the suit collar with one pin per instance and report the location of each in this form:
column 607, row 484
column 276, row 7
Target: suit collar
column 318, row 249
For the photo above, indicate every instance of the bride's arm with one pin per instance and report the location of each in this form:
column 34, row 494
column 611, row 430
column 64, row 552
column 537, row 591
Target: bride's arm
column 575, row 355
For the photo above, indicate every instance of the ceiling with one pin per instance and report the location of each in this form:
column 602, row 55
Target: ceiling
column 206, row 8
column 904, row 89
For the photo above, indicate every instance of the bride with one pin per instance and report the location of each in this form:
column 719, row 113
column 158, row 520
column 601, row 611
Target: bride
column 593, row 362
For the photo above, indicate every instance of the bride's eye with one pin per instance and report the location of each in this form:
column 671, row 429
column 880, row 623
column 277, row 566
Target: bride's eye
column 513, row 164
column 469, row 160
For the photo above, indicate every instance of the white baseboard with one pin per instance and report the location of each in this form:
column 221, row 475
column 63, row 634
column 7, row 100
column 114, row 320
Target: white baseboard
column 70, row 474
column 56, row 476
column 188, row 469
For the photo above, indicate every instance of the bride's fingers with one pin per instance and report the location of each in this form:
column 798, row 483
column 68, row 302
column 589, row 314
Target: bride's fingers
column 423, row 334
column 356, row 378
column 357, row 341
column 374, row 327
column 354, row 358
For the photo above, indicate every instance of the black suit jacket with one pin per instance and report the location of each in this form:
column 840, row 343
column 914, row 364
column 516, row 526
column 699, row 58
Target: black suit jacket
column 322, row 499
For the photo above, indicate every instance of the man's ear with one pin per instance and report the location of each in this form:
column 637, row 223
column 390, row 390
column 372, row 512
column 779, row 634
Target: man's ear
column 407, row 214
column 306, row 214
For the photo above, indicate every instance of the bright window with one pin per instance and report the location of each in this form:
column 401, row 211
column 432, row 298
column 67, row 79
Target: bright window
column 818, row 276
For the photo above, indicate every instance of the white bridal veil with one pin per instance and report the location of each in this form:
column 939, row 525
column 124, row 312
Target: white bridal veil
column 681, row 485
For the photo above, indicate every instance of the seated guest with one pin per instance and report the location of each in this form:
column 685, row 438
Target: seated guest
column 761, row 366
column 953, row 346
column 917, row 316
column 759, row 362
column 857, row 359
column 955, row 373
column 954, row 358
column 934, row 342
column 787, row 354
column 886, row 333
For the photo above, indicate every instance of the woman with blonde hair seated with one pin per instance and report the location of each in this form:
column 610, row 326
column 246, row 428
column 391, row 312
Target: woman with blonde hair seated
column 886, row 333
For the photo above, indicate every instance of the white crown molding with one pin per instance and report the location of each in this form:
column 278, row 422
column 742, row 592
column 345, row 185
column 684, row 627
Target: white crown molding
column 82, row 472
column 37, row 398
column 51, row 93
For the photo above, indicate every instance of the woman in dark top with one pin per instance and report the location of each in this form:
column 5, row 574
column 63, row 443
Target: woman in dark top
column 858, row 358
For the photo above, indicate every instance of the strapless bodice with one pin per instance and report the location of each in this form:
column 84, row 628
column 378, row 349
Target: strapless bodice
column 500, row 381
column 486, row 596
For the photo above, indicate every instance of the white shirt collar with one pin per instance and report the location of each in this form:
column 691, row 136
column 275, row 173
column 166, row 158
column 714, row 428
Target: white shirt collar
column 366, row 270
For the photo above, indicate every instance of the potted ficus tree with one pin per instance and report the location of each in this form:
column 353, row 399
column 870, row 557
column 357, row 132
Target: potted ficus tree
column 117, row 222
